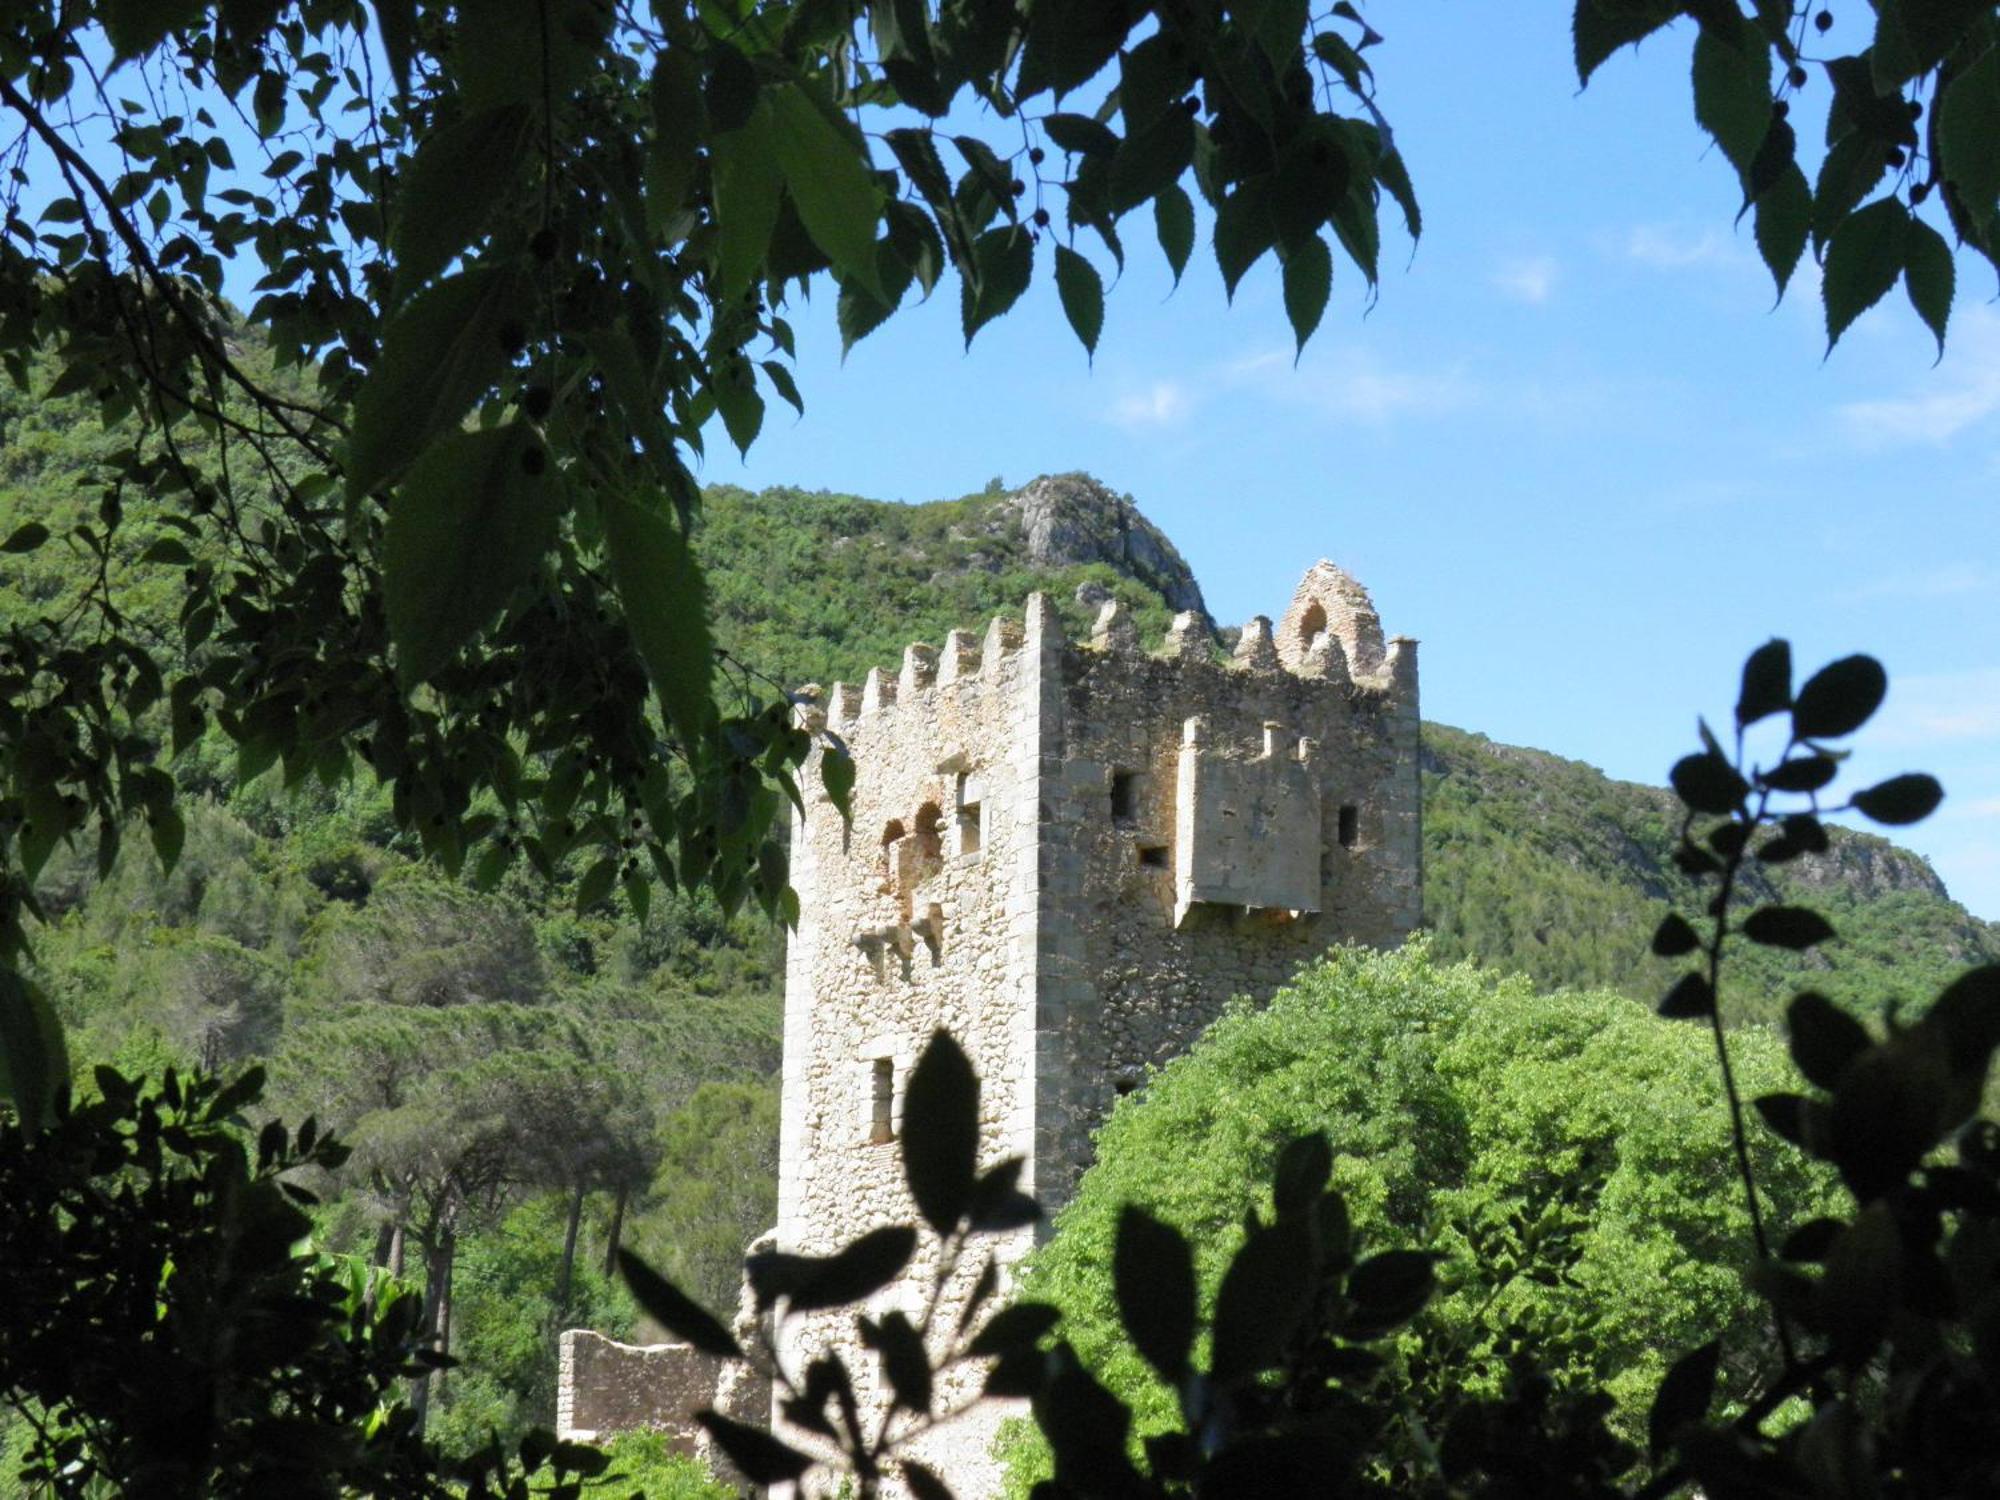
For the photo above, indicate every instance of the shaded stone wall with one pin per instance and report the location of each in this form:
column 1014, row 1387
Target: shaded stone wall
column 605, row 1387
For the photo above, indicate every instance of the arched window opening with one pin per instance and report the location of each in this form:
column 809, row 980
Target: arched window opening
column 1312, row 625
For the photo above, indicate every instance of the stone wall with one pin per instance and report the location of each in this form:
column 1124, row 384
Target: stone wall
column 605, row 1387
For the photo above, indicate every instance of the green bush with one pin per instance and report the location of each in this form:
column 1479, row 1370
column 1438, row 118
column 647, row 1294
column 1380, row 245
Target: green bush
column 1568, row 1154
column 642, row 1463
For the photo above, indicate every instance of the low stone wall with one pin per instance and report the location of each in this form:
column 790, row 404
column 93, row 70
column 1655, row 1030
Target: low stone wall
column 604, row 1388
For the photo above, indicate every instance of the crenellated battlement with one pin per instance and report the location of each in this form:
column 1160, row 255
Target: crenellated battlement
column 1328, row 634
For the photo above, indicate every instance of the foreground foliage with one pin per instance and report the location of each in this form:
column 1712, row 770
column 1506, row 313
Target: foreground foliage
column 1565, row 1155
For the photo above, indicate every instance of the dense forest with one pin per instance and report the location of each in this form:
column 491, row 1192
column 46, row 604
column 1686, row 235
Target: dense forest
column 534, row 1074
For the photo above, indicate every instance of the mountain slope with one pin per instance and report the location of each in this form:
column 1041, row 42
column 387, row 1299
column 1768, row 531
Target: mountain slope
column 1533, row 863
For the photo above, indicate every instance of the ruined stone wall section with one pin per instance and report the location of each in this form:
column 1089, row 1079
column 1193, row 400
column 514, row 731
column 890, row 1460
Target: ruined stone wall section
column 605, row 1387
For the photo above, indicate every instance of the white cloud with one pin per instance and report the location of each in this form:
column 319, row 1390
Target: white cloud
column 1931, row 708
column 1163, row 403
column 1962, row 392
column 1530, row 279
column 1943, row 582
column 1667, row 247
column 1354, row 386
column 1985, row 807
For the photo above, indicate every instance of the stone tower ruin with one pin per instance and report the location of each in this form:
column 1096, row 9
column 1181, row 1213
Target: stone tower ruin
column 1071, row 855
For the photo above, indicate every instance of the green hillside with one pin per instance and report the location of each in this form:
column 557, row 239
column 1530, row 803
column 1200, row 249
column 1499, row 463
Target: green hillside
column 530, row 1075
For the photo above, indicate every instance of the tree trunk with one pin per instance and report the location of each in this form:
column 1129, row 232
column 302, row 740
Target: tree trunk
column 568, row 1268
column 434, row 1324
column 444, row 1303
column 617, row 1228
column 396, row 1249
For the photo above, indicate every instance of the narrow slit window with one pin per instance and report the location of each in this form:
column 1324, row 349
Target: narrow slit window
column 1153, row 856
column 1124, row 1085
column 1350, row 825
column 1125, row 796
column 881, row 1101
column 968, row 815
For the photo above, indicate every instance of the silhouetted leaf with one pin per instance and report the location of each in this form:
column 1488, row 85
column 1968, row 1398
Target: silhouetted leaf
column 747, row 181
column 1086, row 1428
column 924, row 1485
column 26, row 538
column 1152, row 1272
column 1767, row 682
column 941, row 1133
column 1793, row 927
column 836, row 774
column 1811, row 1240
column 828, row 176
column 1901, row 799
column 1824, row 1038
column 1788, row 1117
column 1683, row 1397
column 1783, row 221
column 1802, row 773
column 34, row 1063
column 1708, row 783
column 1005, row 259
column 670, row 1307
column 1388, row 1290
column 1301, row 1173
column 1857, row 1295
column 1732, row 93
column 1928, row 277
column 1839, row 698
column 1968, row 125
column 998, row 1204
column 1260, row 1300
column 1690, row 999
column 905, row 1364
column 853, row 1273
column 758, row 1456
column 1014, row 1328
column 1674, row 936
column 1173, row 220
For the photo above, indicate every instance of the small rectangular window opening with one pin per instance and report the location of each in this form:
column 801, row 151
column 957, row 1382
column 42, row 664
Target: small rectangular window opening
column 1125, row 796
column 1153, row 856
column 881, row 1100
column 1350, row 826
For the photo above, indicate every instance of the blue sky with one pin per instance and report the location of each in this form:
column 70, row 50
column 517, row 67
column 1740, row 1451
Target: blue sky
column 1572, row 447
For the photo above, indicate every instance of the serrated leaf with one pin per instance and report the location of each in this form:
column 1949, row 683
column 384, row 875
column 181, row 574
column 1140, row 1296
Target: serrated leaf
column 1732, row 95
column 1839, row 698
column 1243, row 232
column 439, row 355
column 828, row 176
column 1394, row 175
column 468, row 527
column 34, row 1062
column 1968, row 125
column 1863, row 259
column 1173, row 221
column 670, row 1307
column 1081, row 134
column 1783, row 222
column 1308, row 284
column 1792, row 927
column 665, row 600
column 1599, row 29
column 1852, row 167
column 1909, row 798
column 1005, row 262
column 747, row 182
column 596, row 885
column 675, row 94
column 836, row 774
column 1928, row 277
column 1152, row 1272
column 1082, row 292
column 451, row 187
column 940, row 1140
